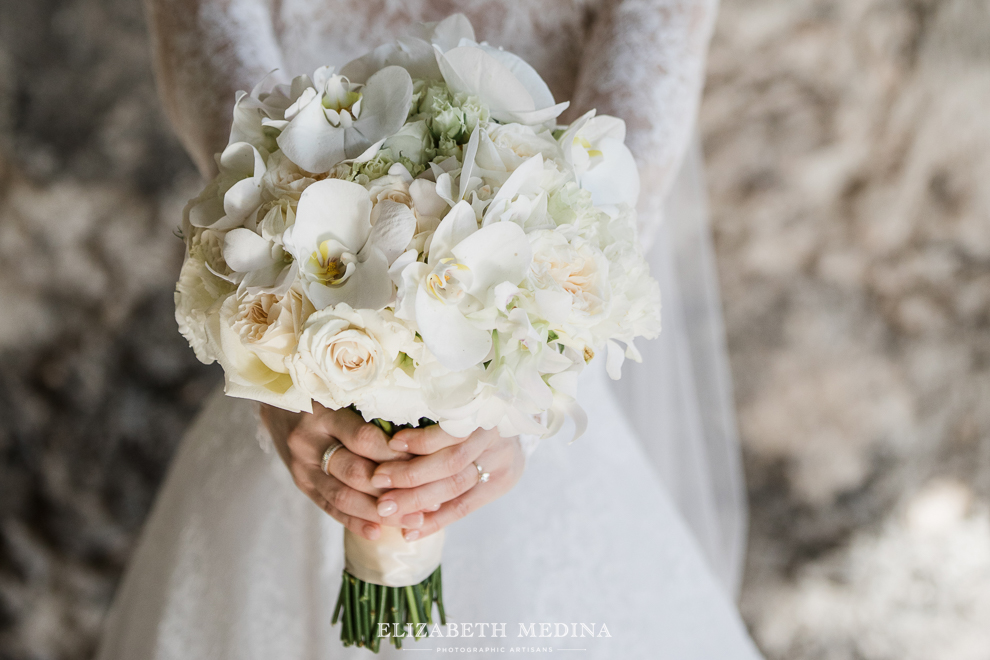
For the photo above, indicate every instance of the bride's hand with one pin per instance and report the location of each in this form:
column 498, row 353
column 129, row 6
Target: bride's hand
column 440, row 484
column 347, row 493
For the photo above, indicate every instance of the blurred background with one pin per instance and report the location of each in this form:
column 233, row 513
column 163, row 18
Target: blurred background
column 848, row 151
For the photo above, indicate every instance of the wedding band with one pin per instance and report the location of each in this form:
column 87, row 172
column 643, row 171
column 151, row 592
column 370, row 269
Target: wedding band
column 482, row 475
column 327, row 455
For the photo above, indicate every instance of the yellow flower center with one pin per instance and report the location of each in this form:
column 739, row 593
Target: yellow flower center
column 328, row 269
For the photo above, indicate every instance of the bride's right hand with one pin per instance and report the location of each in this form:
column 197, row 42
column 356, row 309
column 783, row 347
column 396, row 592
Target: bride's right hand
column 346, row 493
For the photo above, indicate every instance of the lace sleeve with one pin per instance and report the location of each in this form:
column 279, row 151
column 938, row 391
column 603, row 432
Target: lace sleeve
column 644, row 62
column 204, row 51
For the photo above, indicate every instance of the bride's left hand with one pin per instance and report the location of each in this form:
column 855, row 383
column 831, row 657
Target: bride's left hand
column 440, row 484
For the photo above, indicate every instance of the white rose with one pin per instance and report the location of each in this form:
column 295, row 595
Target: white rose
column 411, row 142
column 251, row 334
column 284, row 179
column 268, row 325
column 342, row 352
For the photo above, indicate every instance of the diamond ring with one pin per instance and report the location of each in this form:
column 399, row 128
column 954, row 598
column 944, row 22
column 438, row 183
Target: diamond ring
column 482, row 475
column 327, row 455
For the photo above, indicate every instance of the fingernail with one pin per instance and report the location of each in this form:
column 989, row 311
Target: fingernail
column 410, row 534
column 372, row 531
column 413, row 520
column 397, row 445
column 435, row 507
column 387, row 508
column 381, row 481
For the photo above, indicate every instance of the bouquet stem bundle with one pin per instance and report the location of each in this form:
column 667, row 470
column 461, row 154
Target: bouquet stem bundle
column 363, row 607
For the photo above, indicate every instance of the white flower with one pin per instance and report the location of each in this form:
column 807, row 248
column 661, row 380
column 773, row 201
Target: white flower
column 513, row 144
column 414, row 51
column 524, row 197
column 235, row 195
column 268, row 325
column 344, row 354
column 602, row 162
column 336, row 119
column 451, row 297
column 509, row 393
column 253, row 336
column 198, row 295
column 570, row 280
column 411, row 141
column 511, row 89
column 341, row 257
column 283, row 179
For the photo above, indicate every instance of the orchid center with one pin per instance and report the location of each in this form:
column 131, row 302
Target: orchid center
column 339, row 95
column 330, row 269
column 443, row 282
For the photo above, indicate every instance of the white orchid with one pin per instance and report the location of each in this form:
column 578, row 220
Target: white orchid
column 511, row 88
column 343, row 258
column 450, row 297
column 335, row 119
column 234, row 197
column 595, row 147
column 414, row 51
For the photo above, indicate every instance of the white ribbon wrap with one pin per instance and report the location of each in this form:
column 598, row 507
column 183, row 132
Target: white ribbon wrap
column 391, row 560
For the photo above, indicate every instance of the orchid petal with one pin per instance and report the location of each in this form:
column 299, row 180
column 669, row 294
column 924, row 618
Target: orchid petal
column 243, row 198
column 524, row 73
column 472, row 71
column 618, row 182
column 452, row 339
column 614, row 360
column 245, row 251
column 367, row 286
column 494, row 254
column 522, row 175
column 459, row 223
column 425, row 198
column 470, row 152
column 330, row 209
column 310, row 141
column 393, row 226
column 385, row 105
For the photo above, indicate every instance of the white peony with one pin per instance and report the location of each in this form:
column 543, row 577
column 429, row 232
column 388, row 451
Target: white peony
column 570, row 280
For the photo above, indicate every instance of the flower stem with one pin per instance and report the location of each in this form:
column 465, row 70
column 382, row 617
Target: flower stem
column 362, row 607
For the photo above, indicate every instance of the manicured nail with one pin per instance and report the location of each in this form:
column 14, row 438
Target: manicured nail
column 387, row 508
column 372, row 531
column 397, row 445
column 410, row 534
column 413, row 520
column 381, row 481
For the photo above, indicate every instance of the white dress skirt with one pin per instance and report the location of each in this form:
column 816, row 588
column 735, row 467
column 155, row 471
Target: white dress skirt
column 236, row 563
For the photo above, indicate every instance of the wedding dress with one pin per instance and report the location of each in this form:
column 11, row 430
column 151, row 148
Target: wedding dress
column 635, row 530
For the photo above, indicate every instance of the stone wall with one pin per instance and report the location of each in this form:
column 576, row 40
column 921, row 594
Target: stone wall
column 846, row 141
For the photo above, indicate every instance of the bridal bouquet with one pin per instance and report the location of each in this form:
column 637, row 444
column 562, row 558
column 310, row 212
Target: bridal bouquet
column 414, row 236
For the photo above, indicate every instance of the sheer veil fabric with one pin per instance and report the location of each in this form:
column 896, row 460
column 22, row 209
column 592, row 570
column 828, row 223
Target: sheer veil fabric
column 679, row 399
column 639, row 526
